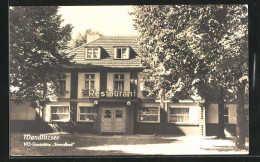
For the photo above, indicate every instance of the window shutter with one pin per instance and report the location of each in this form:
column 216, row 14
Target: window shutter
column 128, row 52
column 115, row 53
column 127, row 82
column 47, row 114
column 86, row 51
column 141, row 87
column 110, row 81
column 99, row 53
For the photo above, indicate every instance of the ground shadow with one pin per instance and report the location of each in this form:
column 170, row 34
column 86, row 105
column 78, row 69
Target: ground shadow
column 221, row 148
column 81, row 141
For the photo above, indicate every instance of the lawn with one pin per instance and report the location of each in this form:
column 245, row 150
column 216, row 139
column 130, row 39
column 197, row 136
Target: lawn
column 94, row 145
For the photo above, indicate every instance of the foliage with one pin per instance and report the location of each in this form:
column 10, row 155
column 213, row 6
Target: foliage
column 163, row 49
column 187, row 47
column 37, row 45
column 82, row 39
column 226, row 55
column 190, row 49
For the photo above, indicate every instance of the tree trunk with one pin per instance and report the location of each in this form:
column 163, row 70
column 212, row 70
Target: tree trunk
column 240, row 129
column 221, row 105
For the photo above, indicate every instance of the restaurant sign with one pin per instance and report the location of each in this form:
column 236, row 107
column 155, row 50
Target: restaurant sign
column 97, row 94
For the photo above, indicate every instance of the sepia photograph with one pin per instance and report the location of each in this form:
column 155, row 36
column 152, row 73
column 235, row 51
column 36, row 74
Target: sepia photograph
column 135, row 80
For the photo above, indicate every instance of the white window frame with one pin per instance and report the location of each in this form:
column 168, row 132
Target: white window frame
column 60, row 113
column 60, row 90
column 94, row 114
column 121, row 48
column 92, row 54
column 89, row 80
column 119, row 80
column 138, row 114
column 179, row 107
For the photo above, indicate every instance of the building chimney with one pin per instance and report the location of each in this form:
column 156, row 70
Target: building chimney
column 92, row 37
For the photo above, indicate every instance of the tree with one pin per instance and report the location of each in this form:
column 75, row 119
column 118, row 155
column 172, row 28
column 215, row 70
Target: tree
column 236, row 43
column 174, row 35
column 37, row 45
column 187, row 49
column 227, row 60
column 164, row 52
column 82, row 39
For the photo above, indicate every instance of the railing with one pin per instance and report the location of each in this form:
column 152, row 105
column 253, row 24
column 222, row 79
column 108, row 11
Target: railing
column 85, row 92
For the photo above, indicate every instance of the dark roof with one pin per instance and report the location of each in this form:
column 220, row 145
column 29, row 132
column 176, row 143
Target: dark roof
column 107, row 53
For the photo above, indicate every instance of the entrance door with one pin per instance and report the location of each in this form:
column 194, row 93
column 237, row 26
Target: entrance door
column 113, row 120
column 107, row 120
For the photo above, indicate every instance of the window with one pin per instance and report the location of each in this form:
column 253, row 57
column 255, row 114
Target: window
column 119, row 114
column 107, row 114
column 89, row 84
column 62, row 83
column 86, row 114
column 119, row 82
column 60, row 113
column 121, row 52
column 225, row 115
column 149, row 114
column 179, row 114
column 92, row 53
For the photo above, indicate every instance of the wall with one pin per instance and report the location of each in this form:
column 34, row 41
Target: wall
column 164, row 127
column 132, row 126
column 212, row 120
column 212, row 113
column 24, row 119
column 130, row 116
column 22, row 111
column 81, row 82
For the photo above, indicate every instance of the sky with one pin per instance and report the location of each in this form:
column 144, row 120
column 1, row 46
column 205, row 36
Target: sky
column 108, row 20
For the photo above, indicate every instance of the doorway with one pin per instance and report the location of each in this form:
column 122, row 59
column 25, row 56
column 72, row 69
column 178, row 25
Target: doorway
column 113, row 120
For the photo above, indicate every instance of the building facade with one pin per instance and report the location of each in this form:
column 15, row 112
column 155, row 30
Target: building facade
column 103, row 93
column 230, row 119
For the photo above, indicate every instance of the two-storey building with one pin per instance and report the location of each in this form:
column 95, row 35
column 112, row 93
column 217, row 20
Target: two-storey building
column 103, row 93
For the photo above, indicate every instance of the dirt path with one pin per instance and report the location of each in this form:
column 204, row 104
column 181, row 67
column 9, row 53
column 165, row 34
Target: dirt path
column 92, row 145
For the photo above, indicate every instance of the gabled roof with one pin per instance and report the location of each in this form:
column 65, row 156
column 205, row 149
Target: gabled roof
column 107, row 53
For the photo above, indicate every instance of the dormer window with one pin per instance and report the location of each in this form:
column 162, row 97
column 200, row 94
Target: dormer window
column 92, row 53
column 121, row 52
